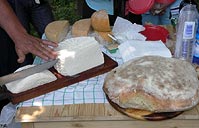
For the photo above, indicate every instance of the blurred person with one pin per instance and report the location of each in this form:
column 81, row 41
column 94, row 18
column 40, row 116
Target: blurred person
column 16, row 44
column 161, row 15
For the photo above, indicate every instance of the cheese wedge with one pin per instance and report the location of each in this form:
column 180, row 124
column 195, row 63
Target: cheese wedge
column 81, row 27
column 76, row 55
column 100, row 21
column 56, row 31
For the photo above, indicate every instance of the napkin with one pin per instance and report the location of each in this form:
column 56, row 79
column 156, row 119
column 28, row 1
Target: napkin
column 124, row 30
column 133, row 48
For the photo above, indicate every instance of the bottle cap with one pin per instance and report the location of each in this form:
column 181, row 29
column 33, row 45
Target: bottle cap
column 140, row 6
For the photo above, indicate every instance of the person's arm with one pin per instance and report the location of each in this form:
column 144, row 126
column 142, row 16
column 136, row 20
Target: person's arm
column 24, row 43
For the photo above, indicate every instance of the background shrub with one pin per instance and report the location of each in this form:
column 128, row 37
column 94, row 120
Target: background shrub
column 64, row 10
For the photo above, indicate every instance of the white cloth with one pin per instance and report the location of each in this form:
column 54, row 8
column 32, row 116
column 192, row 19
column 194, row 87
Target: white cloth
column 7, row 117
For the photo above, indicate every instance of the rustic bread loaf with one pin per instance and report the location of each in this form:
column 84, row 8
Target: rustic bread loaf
column 153, row 83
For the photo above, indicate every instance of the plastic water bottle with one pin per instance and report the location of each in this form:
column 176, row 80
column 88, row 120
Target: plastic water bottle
column 186, row 2
column 186, row 32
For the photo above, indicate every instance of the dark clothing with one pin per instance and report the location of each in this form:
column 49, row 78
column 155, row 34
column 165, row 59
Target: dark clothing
column 28, row 11
column 8, row 56
column 134, row 18
column 39, row 15
column 119, row 10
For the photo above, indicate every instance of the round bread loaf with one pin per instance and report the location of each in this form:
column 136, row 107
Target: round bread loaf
column 153, row 83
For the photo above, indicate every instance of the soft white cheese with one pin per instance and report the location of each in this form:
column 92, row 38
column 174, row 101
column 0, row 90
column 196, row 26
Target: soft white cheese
column 76, row 55
column 31, row 81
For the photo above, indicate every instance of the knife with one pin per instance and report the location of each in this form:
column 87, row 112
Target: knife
column 118, row 41
column 26, row 72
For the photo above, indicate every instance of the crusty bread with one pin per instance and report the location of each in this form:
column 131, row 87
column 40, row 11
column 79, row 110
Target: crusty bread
column 153, row 83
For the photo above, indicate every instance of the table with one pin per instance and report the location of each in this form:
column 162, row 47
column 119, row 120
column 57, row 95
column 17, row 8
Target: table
column 96, row 115
column 99, row 114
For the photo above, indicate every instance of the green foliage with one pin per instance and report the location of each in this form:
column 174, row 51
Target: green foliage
column 65, row 10
column 62, row 10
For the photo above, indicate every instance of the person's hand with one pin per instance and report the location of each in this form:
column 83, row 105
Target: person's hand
column 158, row 9
column 24, row 43
column 29, row 44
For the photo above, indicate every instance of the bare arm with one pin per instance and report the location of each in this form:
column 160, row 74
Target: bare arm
column 24, row 43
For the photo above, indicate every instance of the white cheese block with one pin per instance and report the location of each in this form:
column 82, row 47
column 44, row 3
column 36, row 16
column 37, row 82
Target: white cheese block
column 78, row 54
column 31, row 81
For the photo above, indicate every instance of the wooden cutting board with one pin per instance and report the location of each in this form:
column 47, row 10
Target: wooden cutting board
column 62, row 81
column 144, row 115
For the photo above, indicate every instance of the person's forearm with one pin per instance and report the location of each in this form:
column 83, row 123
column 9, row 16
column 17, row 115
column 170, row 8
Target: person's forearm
column 9, row 21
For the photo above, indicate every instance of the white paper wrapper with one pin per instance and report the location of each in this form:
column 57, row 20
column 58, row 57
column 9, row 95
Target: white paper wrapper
column 133, row 48
column 124, row 30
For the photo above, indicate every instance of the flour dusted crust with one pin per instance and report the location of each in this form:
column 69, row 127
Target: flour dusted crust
column 153, row 83
column 31, row 81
